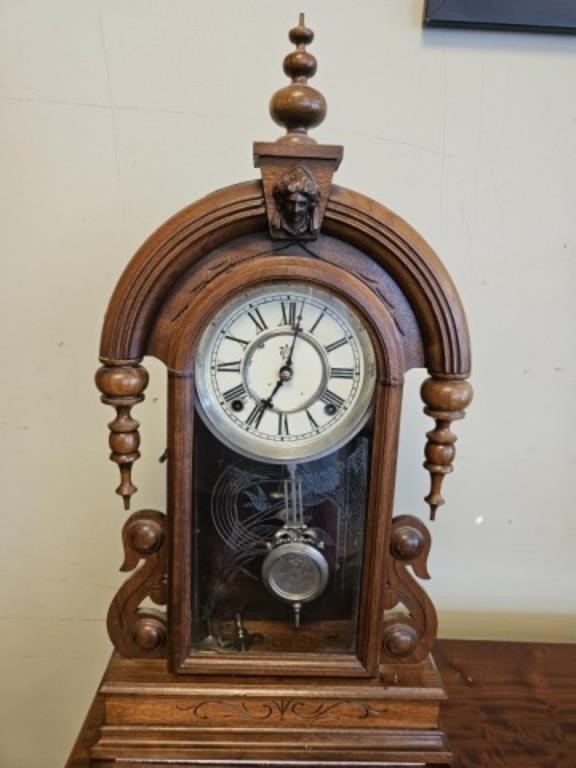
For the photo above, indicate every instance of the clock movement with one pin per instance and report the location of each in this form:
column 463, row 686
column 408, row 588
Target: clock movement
column 274, row 612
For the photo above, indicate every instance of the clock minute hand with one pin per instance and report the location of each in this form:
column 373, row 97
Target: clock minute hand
column 288, row 363
column 285, row 373
column 297, row 329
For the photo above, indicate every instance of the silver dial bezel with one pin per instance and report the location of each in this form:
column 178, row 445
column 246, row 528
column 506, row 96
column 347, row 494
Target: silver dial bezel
column 248, row 442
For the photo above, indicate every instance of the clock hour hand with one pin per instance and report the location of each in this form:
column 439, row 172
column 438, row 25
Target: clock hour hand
column 268, row 401
column 285, row 373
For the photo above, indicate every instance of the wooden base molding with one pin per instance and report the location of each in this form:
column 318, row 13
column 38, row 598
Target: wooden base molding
column 143, row 715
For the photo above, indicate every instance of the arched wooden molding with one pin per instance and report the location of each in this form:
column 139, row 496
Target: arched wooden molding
column 408, row 258
column 240, row 210
column 190, row 235
column 446, row 401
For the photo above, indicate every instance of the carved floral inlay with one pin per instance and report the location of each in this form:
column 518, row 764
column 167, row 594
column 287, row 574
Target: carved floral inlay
column 281, row 710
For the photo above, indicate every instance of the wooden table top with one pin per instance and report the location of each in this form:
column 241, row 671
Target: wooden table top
column 510, row 705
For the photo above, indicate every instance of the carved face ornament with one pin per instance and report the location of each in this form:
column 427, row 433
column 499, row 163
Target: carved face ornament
column 296, row 197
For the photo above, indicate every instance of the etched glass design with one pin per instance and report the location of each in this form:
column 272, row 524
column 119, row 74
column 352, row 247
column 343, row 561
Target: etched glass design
column 277, row 549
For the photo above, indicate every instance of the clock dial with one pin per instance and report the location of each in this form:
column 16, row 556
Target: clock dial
column 285, row 371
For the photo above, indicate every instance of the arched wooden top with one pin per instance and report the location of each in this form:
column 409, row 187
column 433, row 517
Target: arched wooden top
column 405, row 255
column 239, row 210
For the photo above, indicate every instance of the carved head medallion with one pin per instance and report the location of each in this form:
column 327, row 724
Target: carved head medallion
column 296, row 198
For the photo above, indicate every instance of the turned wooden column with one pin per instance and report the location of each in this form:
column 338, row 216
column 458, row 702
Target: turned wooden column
column 446, row 401
column 122, row 384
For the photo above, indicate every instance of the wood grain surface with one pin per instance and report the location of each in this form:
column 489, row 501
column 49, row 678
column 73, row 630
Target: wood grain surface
column 510, row 705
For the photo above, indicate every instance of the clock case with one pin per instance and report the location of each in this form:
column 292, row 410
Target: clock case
column 163, row 700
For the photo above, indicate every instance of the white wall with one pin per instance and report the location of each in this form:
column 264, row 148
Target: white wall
column 115, row 114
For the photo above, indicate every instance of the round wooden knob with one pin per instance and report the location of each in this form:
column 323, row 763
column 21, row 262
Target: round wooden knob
column 298, row 107
column 124, row 444
column 146, row 536
column 300, row 64
column 149, row 634
column 400, row 640
column 121, row 381
column 447, row 394
column 301, row 35
column 407, row 542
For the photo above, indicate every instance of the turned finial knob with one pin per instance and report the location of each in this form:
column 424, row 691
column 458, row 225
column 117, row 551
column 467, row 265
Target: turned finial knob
column 298, row 107
column 446, row 401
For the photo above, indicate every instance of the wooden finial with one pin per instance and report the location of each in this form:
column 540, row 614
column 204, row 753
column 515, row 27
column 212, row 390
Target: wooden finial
column 122, row 385
column 296, row 171
column 298, row 107
column 446, row 401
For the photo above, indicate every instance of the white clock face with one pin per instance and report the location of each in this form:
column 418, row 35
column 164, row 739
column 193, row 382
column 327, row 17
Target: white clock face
column 285, row 372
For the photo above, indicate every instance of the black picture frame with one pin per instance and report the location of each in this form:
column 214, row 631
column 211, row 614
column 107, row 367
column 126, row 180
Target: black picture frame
column 558, row 16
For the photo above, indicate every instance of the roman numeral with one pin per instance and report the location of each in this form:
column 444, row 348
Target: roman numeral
column 336, row 344
column 312, row 420
column 289, row 314
column 255, row 415
column 236, row 393
column 283, row 424
column 243, row 343
column 342, row 373
column 258, row 320
column 320, row 316
column 331, row 398
column 232, row 367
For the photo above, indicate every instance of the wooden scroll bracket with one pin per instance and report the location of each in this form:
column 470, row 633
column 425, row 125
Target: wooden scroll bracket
column 135, row 631
column 122, row 384
column 408, row 635
column 446, row 401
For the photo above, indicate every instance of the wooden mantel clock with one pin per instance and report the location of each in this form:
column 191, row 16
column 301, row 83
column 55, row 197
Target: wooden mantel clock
column 273, row 616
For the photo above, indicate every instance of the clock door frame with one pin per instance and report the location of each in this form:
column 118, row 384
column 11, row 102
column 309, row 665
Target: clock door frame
column 251, row 271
